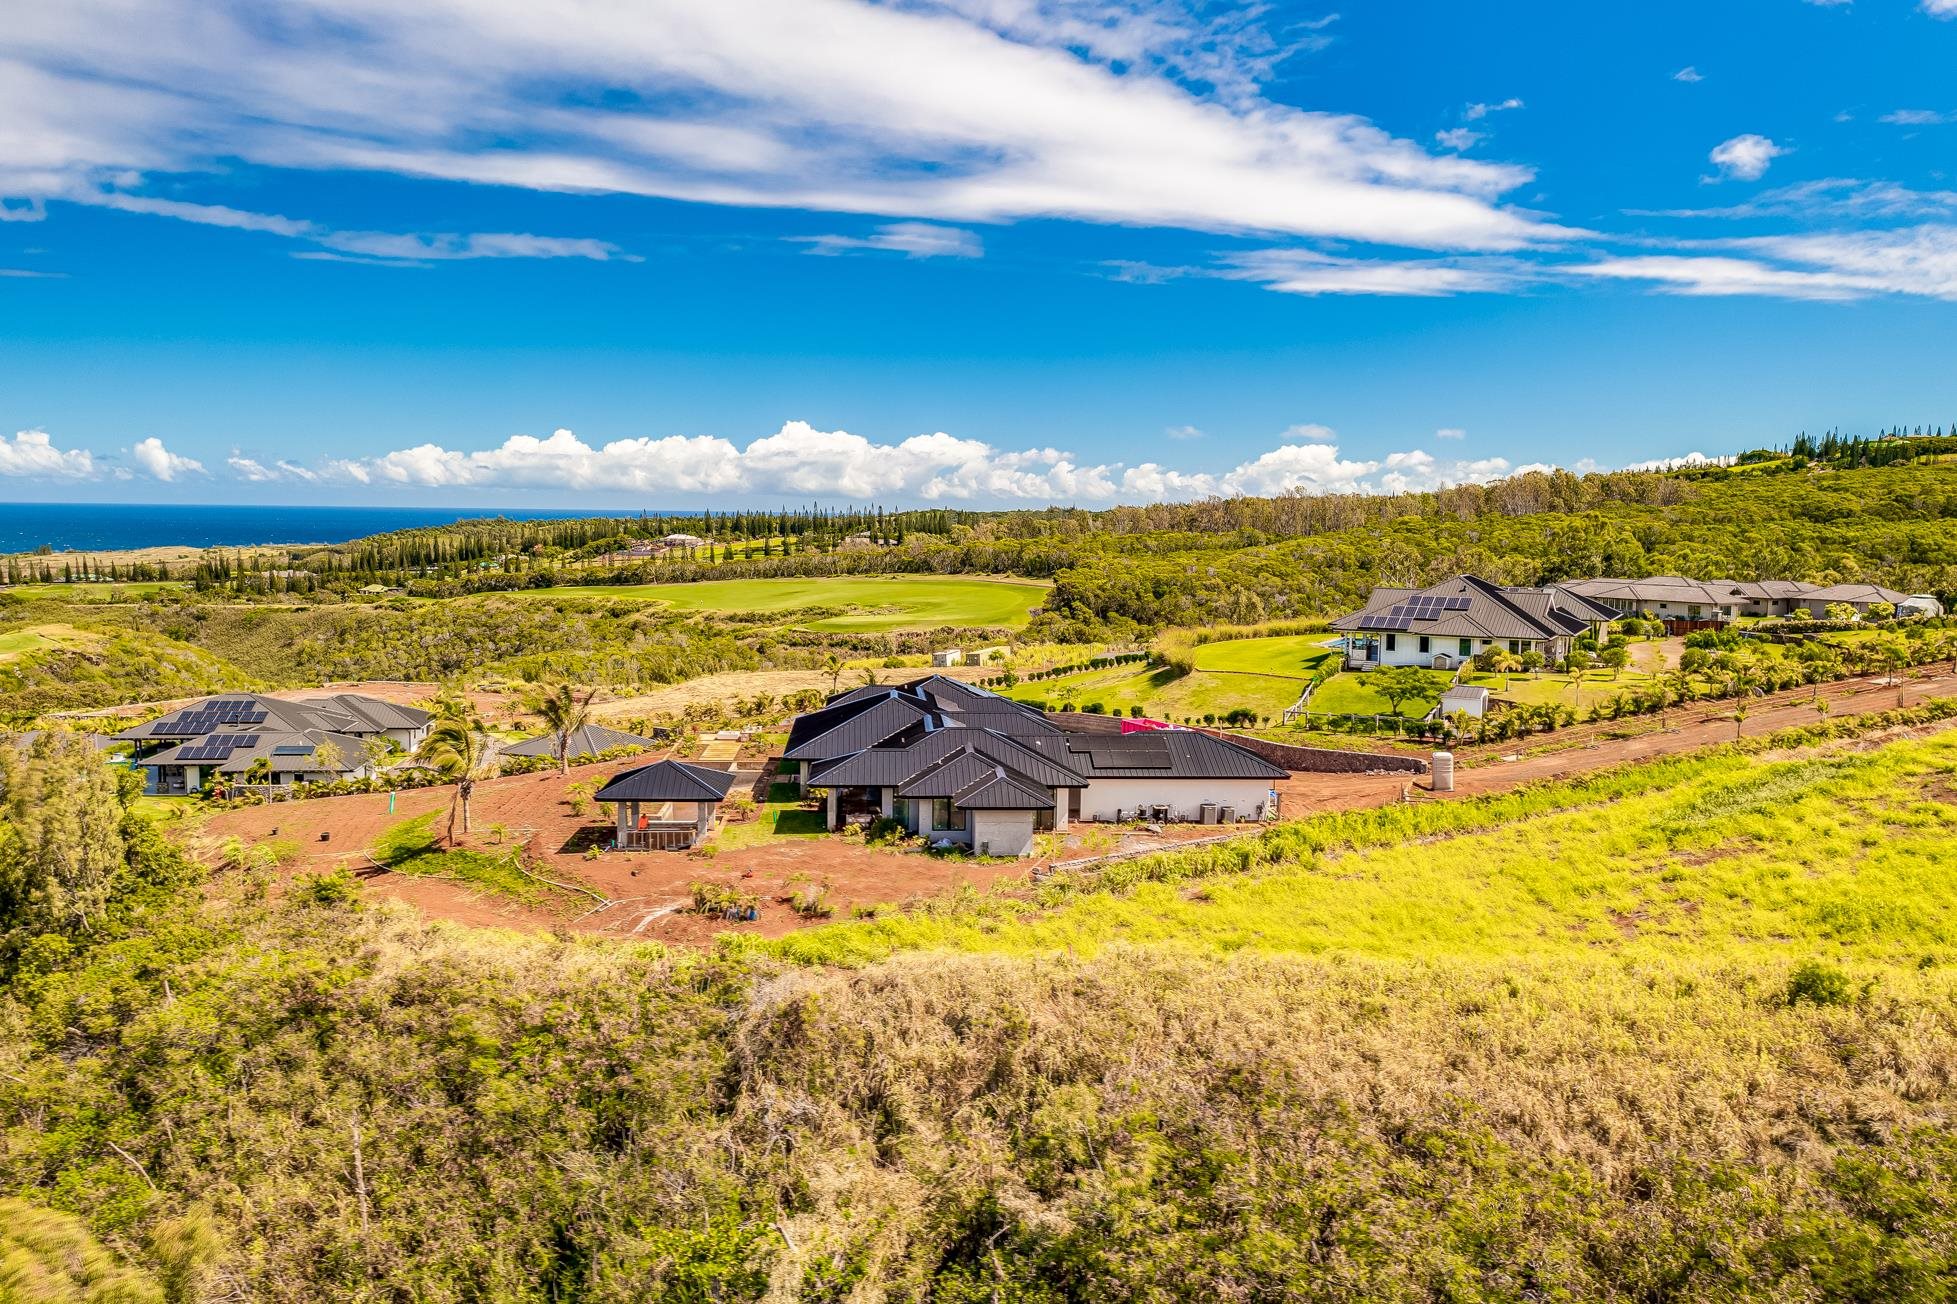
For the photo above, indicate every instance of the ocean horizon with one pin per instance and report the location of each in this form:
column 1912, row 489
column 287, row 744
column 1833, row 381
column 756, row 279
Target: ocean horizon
column 114, row 527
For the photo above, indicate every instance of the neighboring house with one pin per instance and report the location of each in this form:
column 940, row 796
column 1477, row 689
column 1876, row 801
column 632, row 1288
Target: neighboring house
column 1671, row 597
column 1773, row 597
column 227, row 735
column 684, row 541
column 1442, row 626
column 590, row 740
column 1920, row 604
column 961, row 765
column 665, row 806
column 1859, row 596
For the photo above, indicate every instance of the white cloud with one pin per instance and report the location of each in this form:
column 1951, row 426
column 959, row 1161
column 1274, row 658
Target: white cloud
column 1745, row 157
column 1309, row 432
column 940, row 110
column 1183, row 432
column 912, row 239
column 1306, row 271
column 162, row 464
column 1920, row 261
column 1828, row 197
column 1688, row 74
column 1940, row 8
column 1918, row 117
column 802, row 460
column 249, row 469
column 31, row 453
column 1457, row 138
column 1450, row 432
column 1476, row 112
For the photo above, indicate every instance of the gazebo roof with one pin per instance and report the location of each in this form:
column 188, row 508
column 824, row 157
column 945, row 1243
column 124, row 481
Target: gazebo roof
column 668, row 781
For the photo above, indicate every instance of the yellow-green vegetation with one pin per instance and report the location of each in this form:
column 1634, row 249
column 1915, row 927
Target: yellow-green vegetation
column 1552, row 689
column 49, row 667
column 865, row 602
column 120, row 591
column 413, row 847
column 1685, row 1032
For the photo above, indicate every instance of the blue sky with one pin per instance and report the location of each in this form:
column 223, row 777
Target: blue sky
column 1006, row 252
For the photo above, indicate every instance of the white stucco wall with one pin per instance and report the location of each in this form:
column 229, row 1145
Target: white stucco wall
column 1002, row 832
column 1183, row 797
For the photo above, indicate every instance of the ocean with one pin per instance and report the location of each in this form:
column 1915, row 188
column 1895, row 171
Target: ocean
column 104, row 527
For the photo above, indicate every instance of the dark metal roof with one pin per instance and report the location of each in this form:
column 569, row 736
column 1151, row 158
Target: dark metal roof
column 1003, row 791
column 347, row 713
column 590, row 740
column 950, row 776
column 667, row 781
column 857, row 729
column 1179, row 754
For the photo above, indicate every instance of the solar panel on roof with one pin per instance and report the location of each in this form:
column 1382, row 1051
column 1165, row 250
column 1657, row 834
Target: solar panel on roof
column 291, row 749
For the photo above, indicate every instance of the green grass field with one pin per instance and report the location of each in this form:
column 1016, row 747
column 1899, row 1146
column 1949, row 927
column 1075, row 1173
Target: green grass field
column 781, row 816
column 93, row 592
column 1354, row 693
column 900, row 602
column 1264, row 675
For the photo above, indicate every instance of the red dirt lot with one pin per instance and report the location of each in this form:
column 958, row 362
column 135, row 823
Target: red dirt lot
column 647, row 890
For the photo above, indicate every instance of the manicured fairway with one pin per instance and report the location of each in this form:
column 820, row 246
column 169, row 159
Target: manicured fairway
column 882, row 603
column 93, row 592
column 1300, row 655
column 1262, row 675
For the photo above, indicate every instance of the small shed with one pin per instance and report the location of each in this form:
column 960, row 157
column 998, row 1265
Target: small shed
column 1467, row 699
column 949, row 657
column 665, row 806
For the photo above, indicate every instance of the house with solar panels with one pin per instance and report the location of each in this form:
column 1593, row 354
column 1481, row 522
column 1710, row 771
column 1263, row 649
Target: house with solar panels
column 962, row 766
column 1444, row 625
column 318, row 740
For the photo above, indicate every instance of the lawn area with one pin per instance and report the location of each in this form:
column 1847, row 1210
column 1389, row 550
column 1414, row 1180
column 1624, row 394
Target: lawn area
column 781, row 816
column 884, row 603
column 1264, row 675
column 1559, row 690
column 36, row 638
column 1353, row 692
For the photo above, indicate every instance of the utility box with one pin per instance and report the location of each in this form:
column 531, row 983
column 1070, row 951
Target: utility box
column 1443, row 775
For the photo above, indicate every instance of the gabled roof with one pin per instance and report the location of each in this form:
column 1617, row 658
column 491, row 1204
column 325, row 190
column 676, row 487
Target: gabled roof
column 1674, row 589
column 667, row 781
column 235, row 751
column 1003, row 791
column 1161, row 754
column 1855, row 593
column 898, row 763
column 1466, row 607
column 253, row 712
column 589, row 740
column 854, row 726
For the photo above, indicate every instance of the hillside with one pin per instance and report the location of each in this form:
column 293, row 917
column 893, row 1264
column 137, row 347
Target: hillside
column 1684, row 1030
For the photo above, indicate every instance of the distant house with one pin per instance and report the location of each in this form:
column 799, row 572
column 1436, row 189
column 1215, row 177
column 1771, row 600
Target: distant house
column 1920, row 604
column 964, row 766
column 1859, row 596
column 590, row 740
column 1443, row 625
column 1773, row 597
column 317, row 740
column 948, row 657
column 684, row 541
column 665, row 806
column 1673, row 597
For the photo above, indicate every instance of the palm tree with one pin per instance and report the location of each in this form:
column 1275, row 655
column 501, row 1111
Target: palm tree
column 565, row 713
column 462, row 753
column 832, row 665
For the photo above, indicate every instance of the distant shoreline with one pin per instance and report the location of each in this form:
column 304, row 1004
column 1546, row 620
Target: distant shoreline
column 100, row 529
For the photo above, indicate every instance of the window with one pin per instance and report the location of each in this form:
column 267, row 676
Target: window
column 1692, row 613
column 1426, row 644
column 1515, row 646
column 1392, row 642
column 946, row 816
column 1467, row 647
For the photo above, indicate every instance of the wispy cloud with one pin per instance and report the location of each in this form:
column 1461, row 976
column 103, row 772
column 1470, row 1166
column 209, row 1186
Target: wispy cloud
column 1184, row 432
column 1827, row 199
column 1476, row 112
column 1688, row 74
column 912, row 239
column 1450, row 432
column 1151, row 116
column 1919, row 261
column 1918, row 117
column 1309, row 272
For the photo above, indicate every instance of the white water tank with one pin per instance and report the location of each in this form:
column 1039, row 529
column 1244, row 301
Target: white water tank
column 1443, row 773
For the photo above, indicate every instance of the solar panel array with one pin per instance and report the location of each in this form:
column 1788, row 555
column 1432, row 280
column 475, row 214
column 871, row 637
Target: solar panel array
column 206, row 716
column 293, row 749
column 217, row 747
column 1124, row 751
column 1427, row 607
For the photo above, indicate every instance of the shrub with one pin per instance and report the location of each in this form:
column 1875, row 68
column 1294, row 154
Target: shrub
column 1819, row 984
column 332, row 888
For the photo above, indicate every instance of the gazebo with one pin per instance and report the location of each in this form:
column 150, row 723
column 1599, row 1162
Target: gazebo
column 650, row 803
